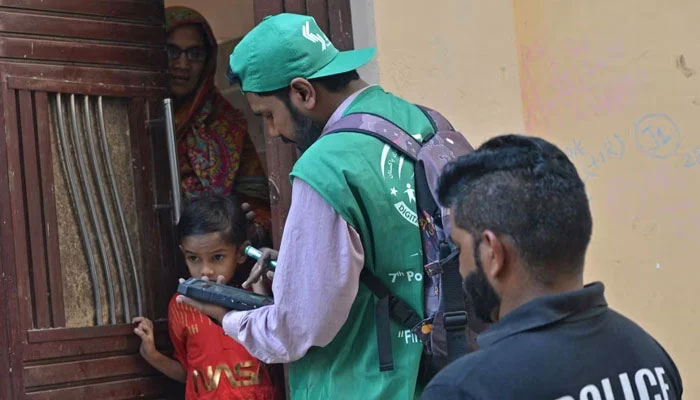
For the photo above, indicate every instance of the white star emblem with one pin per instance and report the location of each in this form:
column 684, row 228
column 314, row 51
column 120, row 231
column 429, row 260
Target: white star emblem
column 394, row 191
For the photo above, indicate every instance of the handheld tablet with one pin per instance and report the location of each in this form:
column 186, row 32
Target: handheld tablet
column 222, row 295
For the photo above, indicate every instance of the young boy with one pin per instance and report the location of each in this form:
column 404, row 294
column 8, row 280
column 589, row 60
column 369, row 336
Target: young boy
column 212, row 236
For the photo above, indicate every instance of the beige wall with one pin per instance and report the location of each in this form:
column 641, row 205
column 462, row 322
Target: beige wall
column 458, row 57
column 605, row 81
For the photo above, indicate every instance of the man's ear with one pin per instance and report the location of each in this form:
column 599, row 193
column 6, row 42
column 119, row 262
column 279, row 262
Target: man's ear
column 241, row 257
column 302, row 94
column 493, row 252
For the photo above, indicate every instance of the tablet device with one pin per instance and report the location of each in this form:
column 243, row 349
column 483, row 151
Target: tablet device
column 222, row 295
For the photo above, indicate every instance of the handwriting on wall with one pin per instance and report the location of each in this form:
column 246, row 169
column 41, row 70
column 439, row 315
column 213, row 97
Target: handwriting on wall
column 612, row 148
column 691, row 159
column 656, row 135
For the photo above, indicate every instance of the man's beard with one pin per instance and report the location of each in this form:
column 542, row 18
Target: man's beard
column 306, row 130
column 484, row 298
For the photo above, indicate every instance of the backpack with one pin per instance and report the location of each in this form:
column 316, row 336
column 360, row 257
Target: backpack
column 443, row 331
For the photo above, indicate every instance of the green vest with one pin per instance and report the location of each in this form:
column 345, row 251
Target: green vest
column 372, row 188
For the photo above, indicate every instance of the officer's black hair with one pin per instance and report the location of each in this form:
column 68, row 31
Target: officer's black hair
column 525, row 188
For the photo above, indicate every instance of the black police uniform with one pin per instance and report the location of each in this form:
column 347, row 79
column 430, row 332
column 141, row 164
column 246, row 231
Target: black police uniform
column 567, row 346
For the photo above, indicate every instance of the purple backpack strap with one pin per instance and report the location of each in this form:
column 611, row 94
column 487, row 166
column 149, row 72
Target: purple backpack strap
column 380, row 128
column 447, row 339
column 439, row 122
column 441, row 148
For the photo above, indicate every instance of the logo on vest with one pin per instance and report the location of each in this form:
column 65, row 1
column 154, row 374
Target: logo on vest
column 391, row 165
column 406, row 212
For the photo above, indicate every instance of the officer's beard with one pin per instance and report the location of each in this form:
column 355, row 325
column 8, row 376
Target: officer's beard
column 484, row 298
column 306, row 130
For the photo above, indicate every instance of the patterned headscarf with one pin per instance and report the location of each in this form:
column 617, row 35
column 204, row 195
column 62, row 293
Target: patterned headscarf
column 214, row 149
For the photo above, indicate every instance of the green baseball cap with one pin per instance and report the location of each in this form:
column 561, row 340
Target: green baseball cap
column 287, row 46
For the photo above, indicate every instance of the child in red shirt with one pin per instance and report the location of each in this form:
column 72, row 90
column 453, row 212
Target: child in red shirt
column 212, row 235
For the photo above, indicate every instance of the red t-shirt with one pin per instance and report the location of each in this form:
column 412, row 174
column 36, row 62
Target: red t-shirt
column 217, row 366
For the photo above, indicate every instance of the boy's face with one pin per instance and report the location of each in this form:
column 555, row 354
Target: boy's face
column 209, row 255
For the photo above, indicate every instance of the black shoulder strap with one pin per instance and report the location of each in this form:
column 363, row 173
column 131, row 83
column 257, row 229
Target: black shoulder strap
column 402, row 313
column 455, row 315
column 388, row 307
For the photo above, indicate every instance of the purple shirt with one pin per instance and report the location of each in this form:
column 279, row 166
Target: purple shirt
column 316, row 280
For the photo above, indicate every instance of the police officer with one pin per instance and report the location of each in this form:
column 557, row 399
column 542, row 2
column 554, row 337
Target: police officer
column 522, row 221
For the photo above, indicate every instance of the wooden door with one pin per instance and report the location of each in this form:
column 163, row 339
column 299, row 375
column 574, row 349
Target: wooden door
column 85, row 228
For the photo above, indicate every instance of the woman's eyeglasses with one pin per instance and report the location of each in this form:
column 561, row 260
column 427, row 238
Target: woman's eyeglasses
column 196, row 53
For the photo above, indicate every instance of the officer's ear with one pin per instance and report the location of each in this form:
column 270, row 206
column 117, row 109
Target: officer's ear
column 494, row 253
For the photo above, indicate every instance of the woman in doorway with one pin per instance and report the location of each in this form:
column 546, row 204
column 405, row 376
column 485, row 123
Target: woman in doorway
column 215, row 153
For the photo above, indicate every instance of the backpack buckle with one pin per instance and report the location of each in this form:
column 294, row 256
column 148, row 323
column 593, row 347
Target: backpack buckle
column 455, row 320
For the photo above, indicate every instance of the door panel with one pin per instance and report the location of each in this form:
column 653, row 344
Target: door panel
column 86, row 235
column 78, row 241
column 86, row 227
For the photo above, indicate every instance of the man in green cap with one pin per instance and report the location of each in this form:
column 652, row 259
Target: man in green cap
column 353, row 208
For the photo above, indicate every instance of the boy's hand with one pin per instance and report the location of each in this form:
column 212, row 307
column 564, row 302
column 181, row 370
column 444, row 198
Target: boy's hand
column 172, row 368
column 145, row 331
column 212, row 310
column 260, row 268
